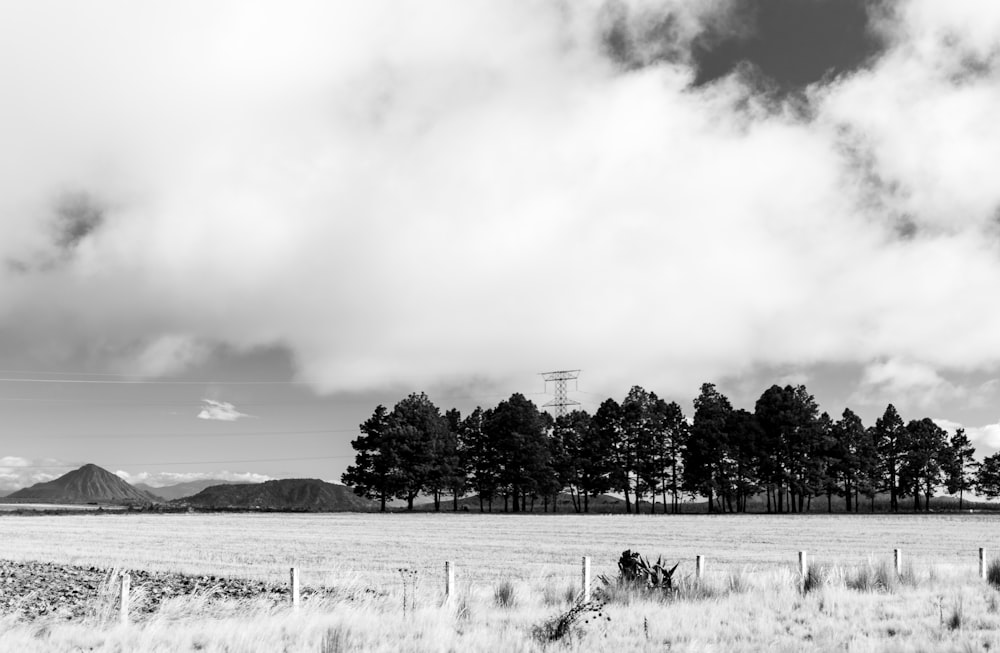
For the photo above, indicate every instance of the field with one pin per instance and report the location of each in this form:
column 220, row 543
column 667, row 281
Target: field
column 751, row 597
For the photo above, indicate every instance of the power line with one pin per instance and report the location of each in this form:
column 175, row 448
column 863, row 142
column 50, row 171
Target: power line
column 185, row 462
column 140, row 435
column 149, row 382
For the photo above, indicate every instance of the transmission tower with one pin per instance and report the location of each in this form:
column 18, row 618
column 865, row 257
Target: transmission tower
column 560, row 401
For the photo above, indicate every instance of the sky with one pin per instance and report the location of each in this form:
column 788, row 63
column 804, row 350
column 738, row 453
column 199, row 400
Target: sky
column 231, row 229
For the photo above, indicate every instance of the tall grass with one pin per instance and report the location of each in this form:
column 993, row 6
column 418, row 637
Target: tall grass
column 993, row 573
column 763, row 610
column 505, row 594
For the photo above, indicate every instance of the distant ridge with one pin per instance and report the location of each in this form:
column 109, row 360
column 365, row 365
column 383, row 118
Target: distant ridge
column 292, row 494
column 181, row 490
column 88, row 484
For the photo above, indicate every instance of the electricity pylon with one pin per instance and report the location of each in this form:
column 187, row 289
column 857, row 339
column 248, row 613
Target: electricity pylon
column 560, row 401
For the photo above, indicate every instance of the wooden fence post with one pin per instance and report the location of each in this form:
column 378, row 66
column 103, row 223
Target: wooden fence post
column 294, row 582
column 897, row 561
column 449, row 581
column 982, row 563
column 126, row 582
column 699, row 567
column 585, row 578
column 803, row 565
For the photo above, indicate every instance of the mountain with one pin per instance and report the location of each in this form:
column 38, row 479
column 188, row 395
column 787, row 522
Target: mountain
column 89, row 484
column 181, row 490
column 4, row 493
column 293, row 494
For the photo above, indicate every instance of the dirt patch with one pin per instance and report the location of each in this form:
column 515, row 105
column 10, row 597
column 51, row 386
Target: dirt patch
column 37, row 590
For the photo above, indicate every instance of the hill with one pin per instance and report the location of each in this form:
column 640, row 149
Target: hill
column 88, row 484
column 181, row 490
column 292, row 494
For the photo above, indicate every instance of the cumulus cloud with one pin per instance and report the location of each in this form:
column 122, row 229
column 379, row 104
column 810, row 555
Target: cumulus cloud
column 405, row 193
column 162, row 479
column 986, row 438
column 221, row 411
column 17, row 472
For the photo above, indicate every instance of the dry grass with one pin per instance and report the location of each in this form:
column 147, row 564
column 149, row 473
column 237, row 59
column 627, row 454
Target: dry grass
column 751, row 598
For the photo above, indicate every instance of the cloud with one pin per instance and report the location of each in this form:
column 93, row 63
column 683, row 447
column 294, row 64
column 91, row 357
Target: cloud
column 986, row 439
column 162, row 479
column 909, row 384
column 409, row 195
column 17, row 472
column 222, row 411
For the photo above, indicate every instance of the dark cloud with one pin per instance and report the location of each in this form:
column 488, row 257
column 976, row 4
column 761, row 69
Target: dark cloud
column 77, row 215
column 792, row 42
column 634, row 41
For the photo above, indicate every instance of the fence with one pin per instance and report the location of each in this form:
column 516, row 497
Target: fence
column 585, row 580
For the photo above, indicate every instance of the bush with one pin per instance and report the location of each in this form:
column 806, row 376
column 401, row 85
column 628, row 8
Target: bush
column 583, row 614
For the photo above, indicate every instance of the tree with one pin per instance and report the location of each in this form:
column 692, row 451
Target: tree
column 517, row 430
column 792, row 438
column 607, row 426
column 455, row 459
column 376, row 472
column 849, row 450
column 744, row 435
column 987, row 478
column 672, row 441
column 482, row 458
column 422, row 441
column 642, row 427
column 870, row 467
column 923, row 446
column 707, row 451
column 961, row 465
column 889, row 434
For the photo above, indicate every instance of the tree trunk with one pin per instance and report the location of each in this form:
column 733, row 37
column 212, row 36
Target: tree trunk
column 382, row 501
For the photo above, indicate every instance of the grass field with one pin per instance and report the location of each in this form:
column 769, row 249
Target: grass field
column 750, row 599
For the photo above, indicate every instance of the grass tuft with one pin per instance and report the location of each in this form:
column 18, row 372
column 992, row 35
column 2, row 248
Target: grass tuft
column 738, row 582
column 816, row 578
column 993, row 573
column 505, row 594
column 877, row 578
column 554, row 594
column 957, row 616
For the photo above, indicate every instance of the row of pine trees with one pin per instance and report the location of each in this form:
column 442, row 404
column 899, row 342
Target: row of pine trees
column 782, row 455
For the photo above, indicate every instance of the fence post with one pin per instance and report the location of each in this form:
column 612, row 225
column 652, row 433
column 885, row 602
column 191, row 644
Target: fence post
column 126, row 582
column 449, row 581
column 585, row 578
column 897, row 561
column 699, row 567
column 294, row 582
column 982, row 563
column 803, row 565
